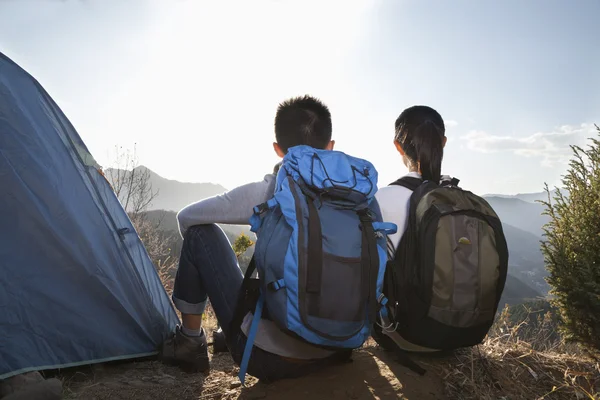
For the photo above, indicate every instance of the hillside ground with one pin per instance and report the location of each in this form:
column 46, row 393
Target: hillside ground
column 501, row 368
column 373, row 373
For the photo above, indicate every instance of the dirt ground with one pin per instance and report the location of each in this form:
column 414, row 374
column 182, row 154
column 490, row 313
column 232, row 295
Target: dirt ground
column 373, row 374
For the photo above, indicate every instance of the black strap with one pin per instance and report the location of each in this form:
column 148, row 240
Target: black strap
column 409, row 182
column 389, row 284
column 365, row 265
column 369, row 260
column 247, row 297
column 389, row 345
column 314, row 250
column 404, row 359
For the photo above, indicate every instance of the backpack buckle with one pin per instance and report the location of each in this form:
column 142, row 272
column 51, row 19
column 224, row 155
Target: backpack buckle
column 447, row 181
column 366, row 215
column 261, row 208
column 276, row 285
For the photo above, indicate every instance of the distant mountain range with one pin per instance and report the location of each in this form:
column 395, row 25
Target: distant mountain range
column 528, row 197
column 174, row 195
column 521, row 214
column 516, row 292
column 522, row 221
column 525, row 260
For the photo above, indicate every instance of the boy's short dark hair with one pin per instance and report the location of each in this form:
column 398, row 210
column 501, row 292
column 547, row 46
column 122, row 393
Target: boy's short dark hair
column 302, row 121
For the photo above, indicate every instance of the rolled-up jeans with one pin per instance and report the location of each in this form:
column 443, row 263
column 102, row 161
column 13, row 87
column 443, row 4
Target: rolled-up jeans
column 208, row 269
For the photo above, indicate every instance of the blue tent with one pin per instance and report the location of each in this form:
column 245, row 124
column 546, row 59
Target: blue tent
column 76, row 283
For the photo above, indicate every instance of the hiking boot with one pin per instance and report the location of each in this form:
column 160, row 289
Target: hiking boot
column 30, row 386
column 190, row 353
column 219, row 343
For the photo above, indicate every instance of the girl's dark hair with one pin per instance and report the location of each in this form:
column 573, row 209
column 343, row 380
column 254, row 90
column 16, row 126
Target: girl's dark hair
column 420, row 131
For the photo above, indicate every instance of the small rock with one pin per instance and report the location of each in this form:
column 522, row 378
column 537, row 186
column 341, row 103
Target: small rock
column 166, row 382
column 235, row 384
column 113, row 385
column 139, row 384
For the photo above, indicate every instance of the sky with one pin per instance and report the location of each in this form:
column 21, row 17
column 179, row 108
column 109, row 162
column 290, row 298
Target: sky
column 194, row 85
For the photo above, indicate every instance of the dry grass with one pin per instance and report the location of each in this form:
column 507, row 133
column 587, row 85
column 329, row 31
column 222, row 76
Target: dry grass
column 507, row 367
column 497, row 370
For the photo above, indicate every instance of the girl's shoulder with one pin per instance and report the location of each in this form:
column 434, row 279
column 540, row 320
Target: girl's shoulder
column 392, row 194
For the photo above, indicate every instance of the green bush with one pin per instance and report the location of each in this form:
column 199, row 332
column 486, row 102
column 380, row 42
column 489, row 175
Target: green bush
column 572, row 246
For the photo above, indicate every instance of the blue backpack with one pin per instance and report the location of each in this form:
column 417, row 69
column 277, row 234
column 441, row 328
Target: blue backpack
column 321, row 252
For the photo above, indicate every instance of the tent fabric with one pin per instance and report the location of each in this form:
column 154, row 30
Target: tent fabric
column 76, row 283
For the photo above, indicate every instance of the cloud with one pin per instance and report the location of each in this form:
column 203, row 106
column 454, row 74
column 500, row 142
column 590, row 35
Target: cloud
column 450, row 123
column 551, row 147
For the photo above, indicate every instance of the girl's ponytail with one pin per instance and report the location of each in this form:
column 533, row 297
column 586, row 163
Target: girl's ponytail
column 420, row 131
column 429, row 147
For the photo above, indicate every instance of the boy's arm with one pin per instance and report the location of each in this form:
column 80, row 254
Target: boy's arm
column 233, row 207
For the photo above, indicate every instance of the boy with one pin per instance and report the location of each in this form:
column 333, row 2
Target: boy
column 208, row 267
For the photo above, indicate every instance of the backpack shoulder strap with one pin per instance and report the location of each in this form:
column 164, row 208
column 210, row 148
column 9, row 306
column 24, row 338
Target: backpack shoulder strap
column 409, row 182
column 247, row 296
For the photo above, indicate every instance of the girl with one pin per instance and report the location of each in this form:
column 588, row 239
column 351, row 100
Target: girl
column 419, row 139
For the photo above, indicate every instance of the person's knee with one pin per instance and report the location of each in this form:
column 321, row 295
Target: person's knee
column 201, row 231
column 209, row 236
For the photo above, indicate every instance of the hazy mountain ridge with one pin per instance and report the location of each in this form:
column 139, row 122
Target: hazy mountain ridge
column 525, row 260
column 173, row 195
column 520, row 214
column 517, row 292
column 528, row 197
column 523, row 223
